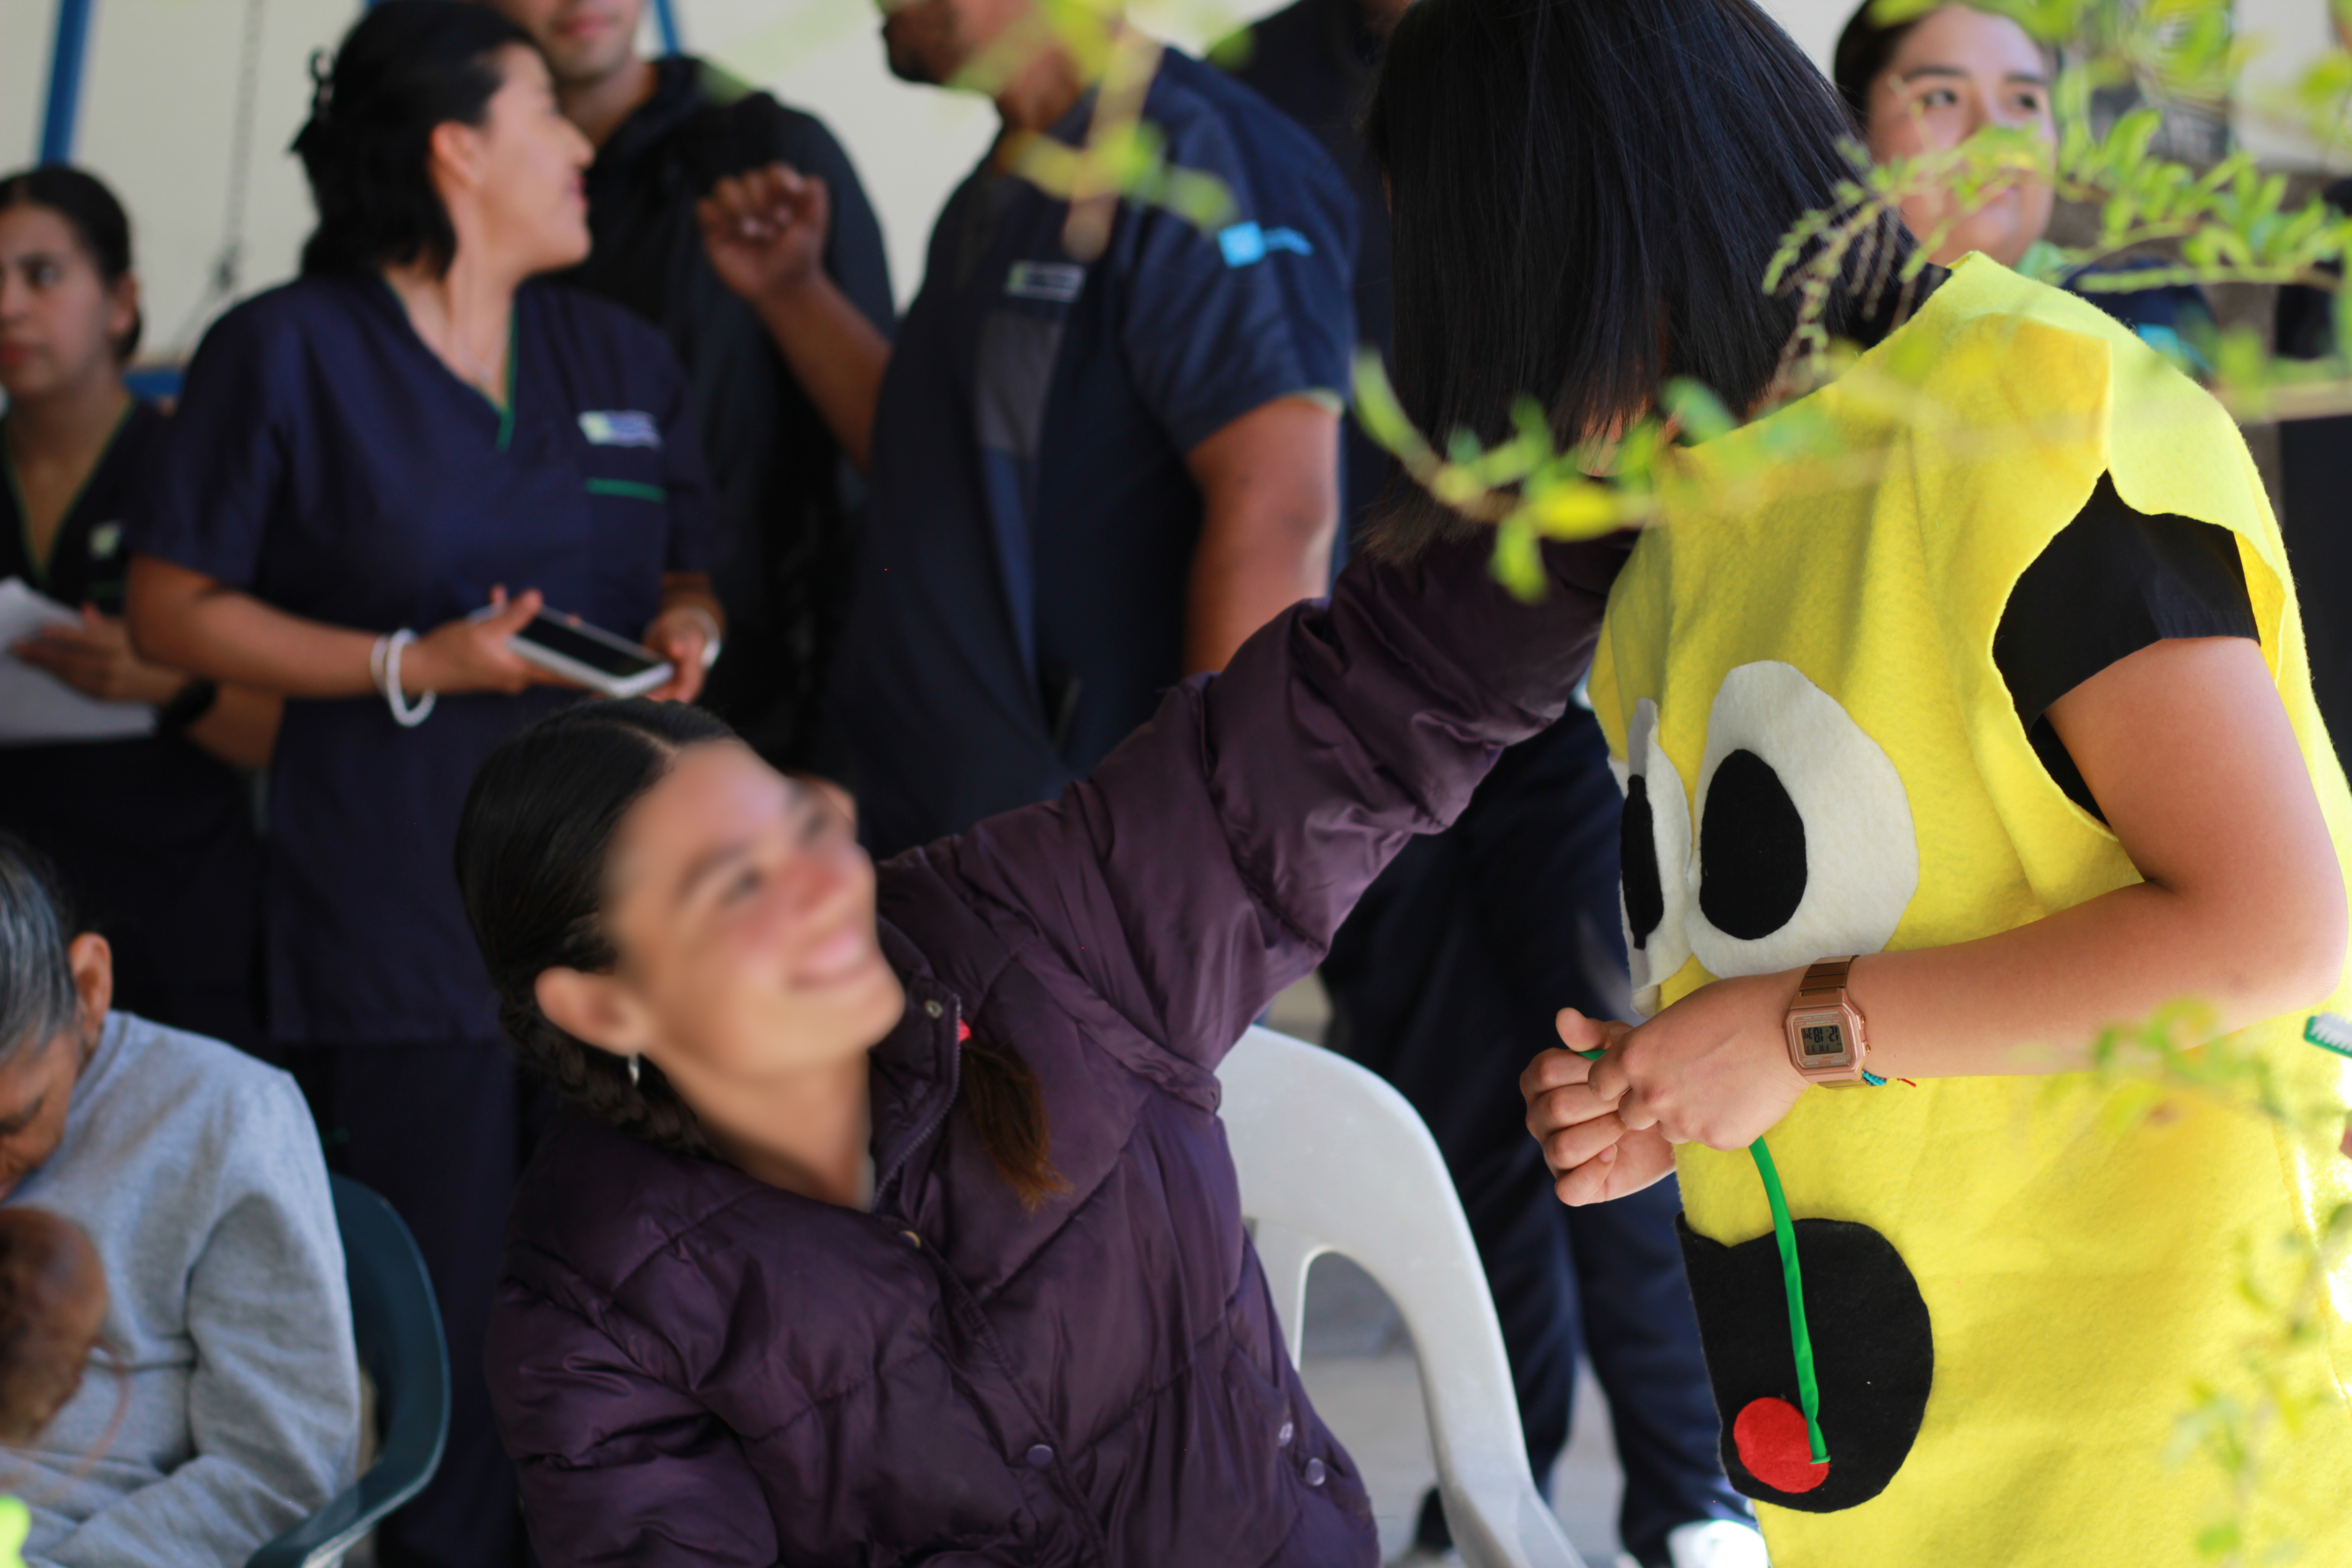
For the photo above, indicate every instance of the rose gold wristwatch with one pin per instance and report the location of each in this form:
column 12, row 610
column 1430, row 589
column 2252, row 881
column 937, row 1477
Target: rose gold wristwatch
column 1826, row 1038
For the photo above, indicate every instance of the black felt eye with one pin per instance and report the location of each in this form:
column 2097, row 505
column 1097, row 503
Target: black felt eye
column 1637, row 859
column 1805, row 843
column 1873, row 1357
column 1751, row 850
column 1654, row 857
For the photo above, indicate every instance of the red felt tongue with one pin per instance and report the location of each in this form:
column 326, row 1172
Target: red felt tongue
column 1770, row 1436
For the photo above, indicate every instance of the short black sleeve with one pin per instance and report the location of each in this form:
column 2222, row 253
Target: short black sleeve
column 2113, row 582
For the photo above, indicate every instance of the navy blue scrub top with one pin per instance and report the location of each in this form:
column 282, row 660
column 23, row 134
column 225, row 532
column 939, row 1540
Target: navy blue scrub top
column 1021, row 594
column 325, row 461
column 153, row 835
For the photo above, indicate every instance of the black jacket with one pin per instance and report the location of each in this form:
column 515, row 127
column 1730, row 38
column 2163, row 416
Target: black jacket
column 787, row 499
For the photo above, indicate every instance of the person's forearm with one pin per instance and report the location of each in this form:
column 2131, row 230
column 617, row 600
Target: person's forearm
column 835, row 354
column 1248, row 569
column 240, row 727
column 233, row 638
column 2037, row 998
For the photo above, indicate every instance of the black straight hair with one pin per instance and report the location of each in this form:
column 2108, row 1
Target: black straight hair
column 532, row 844
column 405, row 68
column 1586, row 195
column 1864, row 49
column 99, row 223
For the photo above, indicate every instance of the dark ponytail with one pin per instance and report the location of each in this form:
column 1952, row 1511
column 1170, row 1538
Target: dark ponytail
column 532, row 845
column 405, row 68
column 96, row 217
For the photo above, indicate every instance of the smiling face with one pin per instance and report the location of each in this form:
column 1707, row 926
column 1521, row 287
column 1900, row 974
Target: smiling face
column 517, row 180
column 743, row 911
column 60, row 318
column 1955, row 73
column 585, row 41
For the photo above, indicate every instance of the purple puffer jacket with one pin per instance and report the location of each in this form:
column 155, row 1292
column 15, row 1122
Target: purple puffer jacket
column 691, row 1367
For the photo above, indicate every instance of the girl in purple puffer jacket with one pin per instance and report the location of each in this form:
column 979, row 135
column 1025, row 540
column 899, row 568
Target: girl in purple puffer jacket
column 890, row 1220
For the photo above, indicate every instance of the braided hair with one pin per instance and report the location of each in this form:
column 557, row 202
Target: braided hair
column 532, row 845
column 405, row 67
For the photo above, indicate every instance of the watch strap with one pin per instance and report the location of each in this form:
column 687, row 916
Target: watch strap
column 1827, row 976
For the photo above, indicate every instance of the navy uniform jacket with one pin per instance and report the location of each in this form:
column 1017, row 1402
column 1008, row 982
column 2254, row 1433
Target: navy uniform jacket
column 787, row 500
column 326, row 462
column 1021, row 596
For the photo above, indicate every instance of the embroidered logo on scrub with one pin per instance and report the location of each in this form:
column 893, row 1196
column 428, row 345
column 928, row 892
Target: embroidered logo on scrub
column 1873, row 1359
column 1056, row 281
column 620, row 428
column 1804, row 846
column 1246, row 244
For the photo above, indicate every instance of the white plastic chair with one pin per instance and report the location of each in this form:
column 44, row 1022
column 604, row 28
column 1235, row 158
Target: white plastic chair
column 1333, row 1160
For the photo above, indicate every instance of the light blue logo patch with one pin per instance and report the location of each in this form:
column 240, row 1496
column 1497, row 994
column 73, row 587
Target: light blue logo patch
column 105, row 539
column 1247, row 244
column 1058, row 281
column 620, row 428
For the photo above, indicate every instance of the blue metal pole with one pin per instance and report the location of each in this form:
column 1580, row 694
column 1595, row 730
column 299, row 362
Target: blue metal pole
column 666, row 19
column 67, row 55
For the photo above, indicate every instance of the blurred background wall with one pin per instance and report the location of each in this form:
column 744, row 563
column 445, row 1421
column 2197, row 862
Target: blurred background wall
column 188, row 105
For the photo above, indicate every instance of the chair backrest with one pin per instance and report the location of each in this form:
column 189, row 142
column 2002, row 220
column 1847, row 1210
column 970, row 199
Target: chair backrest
column 1331, row 1159
column 397, row 1323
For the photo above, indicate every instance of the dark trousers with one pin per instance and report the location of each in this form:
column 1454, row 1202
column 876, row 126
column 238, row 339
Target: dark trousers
column 1445, row 981
column 442, row 1132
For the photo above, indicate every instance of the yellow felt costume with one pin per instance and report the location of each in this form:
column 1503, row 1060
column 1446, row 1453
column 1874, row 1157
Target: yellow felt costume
column 1825, row 611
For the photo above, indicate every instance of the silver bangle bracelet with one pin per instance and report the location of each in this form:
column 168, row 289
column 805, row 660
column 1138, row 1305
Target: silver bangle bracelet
column 405, row 714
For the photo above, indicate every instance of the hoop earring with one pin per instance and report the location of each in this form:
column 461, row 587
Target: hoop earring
column 632, row 1069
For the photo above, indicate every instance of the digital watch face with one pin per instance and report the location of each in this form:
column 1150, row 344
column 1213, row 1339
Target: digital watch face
column 1820, row 1039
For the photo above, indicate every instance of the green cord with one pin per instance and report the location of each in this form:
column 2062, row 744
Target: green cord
column 1801, row 1340
column 1784, row 1233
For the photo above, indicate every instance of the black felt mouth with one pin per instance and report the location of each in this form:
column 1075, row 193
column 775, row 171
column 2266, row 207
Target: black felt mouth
column 1874, row 1356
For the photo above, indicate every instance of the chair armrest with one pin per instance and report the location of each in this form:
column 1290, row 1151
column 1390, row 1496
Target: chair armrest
column 323, row 1538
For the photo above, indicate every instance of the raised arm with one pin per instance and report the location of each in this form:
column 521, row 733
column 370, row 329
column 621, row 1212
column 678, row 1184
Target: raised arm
column 765, row 233
column 1208, row 860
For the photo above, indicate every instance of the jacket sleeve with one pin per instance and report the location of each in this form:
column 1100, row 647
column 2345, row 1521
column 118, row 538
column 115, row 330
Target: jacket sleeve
column 614, row 1467
column 1206, row 863
column 273, row 1399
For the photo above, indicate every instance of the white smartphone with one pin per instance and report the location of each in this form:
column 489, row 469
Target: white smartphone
column 591, row 656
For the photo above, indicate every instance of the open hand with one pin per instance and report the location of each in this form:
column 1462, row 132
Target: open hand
column 470, row 654
column 764, row 229
column 1591, row 1154
column 94, row 657
column 680, row 635
column 1713, row 1069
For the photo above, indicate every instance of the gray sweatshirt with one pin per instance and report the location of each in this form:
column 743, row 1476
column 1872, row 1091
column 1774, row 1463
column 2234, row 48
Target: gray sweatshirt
column 196, row 1171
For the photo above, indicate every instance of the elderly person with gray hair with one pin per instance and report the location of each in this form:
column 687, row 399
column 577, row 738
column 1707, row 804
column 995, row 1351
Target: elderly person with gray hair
column 196, row 1173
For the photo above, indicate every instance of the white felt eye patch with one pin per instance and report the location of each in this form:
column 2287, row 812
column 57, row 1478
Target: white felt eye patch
column 1655, row 847
column 1805, row 846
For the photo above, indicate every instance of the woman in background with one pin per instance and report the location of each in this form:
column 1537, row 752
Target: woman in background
column 155, row 832
column 1927, row 85
column 366, row 461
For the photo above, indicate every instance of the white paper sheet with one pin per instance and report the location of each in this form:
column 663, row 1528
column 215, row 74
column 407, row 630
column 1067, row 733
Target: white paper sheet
column 35, row 706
